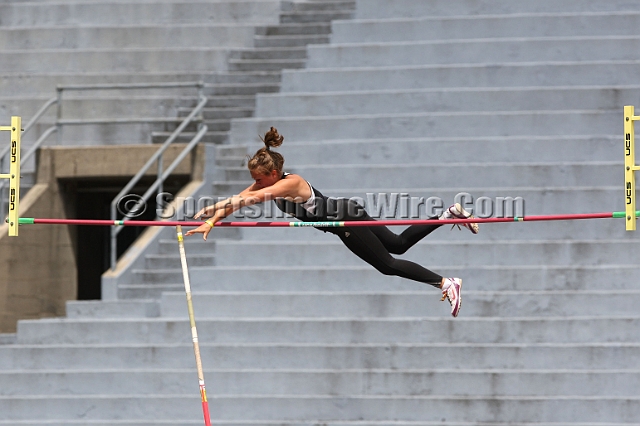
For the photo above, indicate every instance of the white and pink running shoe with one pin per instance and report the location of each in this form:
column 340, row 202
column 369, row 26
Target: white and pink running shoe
column 451, row 290
column 457, row 212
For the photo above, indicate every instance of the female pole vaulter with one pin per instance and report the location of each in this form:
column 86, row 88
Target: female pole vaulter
column 297, row 197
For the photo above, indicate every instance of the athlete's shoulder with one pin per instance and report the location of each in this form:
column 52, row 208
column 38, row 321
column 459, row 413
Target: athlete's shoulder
column 291, row 176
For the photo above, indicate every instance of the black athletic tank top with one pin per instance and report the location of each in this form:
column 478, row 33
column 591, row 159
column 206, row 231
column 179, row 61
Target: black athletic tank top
column 312, row 210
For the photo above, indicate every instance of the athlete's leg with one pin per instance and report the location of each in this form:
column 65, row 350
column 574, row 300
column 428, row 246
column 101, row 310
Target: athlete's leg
column 394, row 243
column 400, row 243
column 366, row 245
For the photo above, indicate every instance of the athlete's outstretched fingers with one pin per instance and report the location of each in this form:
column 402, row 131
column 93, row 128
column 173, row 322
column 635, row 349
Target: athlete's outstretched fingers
column 203, row 229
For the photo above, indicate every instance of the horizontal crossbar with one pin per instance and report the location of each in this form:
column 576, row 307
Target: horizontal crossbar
column 337, row 224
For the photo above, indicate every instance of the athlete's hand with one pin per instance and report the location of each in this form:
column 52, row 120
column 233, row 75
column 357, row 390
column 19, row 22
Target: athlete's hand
column 203, row 213
column 203, row 229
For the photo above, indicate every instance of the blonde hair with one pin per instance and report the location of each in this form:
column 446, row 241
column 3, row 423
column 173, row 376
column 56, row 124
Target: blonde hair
column 264, row 161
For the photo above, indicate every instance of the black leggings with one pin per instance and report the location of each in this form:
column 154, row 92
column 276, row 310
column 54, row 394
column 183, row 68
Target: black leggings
column 375, row 244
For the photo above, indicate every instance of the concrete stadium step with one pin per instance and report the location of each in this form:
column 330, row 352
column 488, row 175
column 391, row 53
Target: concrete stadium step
column 289, row 40
column 111, row 132
column 321, row 5
column 314, row 16
column 571, row 148
column 161, row 261
column 478, row 174
column 282, row 53
column 334, row 330
column 43, row 84
column 231, row 150
column 110, row 60
column 487, row 74
column 485, row 382
column 32, row 14
column 230, row 161
column 145, row 291
column 216, row 137
column 291, row 29
column 413, row 8
column 486, row 26
column 230, row 188
column 101, row 107
column 193, row 246
column 569, row 356
column 240, row 89
column 533, row 49
column 502, row 304
column 232, row 101
column 216, row 125
column 132, row 36
column 446, row 124
column 143, row 308
column 219, row 113
column 264, row 77
column 470, row 253
column 265, row 64
column 169, row 246
column 301, row 407
column 434, row 100
column 363, row 277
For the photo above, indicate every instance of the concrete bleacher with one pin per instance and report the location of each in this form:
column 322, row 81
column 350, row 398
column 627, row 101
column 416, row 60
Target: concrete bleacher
column 45, row 44
column 430, row 98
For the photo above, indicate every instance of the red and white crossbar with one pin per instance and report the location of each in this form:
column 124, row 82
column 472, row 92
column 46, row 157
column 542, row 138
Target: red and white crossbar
column 329, row 224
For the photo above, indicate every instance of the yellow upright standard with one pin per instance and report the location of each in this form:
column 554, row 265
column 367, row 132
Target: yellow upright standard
column 14, row 174
column 630, row 167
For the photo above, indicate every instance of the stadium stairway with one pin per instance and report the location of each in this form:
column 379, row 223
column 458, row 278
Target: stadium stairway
column 217, row 43
column 431, row 99
column 257, row 69
column 236, row 48
column 46, row 44
column 501, row 98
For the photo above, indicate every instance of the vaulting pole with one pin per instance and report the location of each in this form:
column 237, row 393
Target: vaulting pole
column 192, row 321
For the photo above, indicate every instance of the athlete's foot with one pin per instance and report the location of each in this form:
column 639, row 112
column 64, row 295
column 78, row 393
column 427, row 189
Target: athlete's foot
column 457, row 212
column 452, row 291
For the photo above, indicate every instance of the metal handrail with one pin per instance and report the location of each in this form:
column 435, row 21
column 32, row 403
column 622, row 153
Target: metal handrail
column 57, row 100
column 29, row 154
column 134, row 120
column 127, row 86
column 28, row 127
column 156, row 157
column 57, row 127
column 39, row 142
column 121, row 86
column 40, row 113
